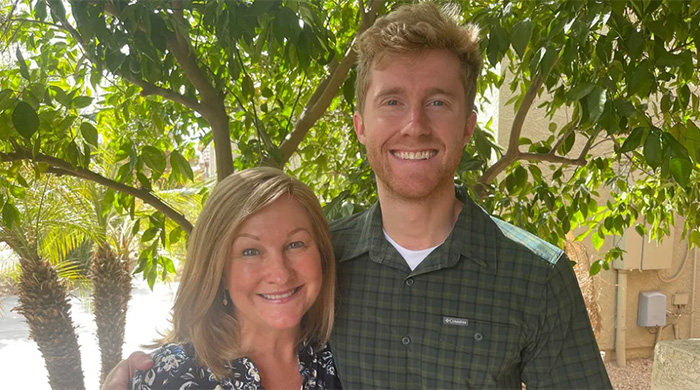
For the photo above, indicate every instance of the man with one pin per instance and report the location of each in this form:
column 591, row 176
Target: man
column 434, row 293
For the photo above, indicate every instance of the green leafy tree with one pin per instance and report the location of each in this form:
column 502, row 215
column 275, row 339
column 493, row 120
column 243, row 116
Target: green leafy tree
column 157, row 80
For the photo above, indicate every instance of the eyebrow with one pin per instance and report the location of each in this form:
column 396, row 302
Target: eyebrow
column 295, row 231
column 246, row 235
column 387, row 92
column 440, row 91
column 398, row 90
column 254, row 237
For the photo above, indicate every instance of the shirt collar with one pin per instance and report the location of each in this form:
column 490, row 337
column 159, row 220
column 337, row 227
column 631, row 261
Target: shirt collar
column 474, row 236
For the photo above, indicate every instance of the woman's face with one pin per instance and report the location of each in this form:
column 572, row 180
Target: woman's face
column 274, row 274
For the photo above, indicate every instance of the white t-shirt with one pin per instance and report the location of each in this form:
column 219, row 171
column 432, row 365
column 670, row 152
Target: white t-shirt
column 413, row 258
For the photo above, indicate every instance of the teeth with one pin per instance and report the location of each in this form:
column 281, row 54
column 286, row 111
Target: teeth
column 279, row 296
column 424, row 155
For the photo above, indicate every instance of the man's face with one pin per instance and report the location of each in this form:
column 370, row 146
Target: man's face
column 415, row 123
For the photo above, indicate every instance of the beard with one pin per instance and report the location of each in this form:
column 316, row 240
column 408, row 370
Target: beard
column 418, row 185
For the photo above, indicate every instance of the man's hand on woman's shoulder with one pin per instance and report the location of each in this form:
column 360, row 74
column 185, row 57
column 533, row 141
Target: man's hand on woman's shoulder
column 120, row 376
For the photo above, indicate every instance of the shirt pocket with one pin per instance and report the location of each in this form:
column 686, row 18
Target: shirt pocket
column 480, row 353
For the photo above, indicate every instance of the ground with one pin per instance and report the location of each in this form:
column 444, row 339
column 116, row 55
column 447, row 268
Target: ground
column 636, row 376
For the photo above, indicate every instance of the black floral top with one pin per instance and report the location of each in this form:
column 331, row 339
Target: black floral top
column 175, row 367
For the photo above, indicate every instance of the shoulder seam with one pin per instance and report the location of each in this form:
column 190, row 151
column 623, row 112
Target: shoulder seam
column 536, row 245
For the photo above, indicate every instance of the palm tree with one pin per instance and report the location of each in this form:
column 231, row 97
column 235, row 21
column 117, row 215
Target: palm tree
column 39, row 229
column 109, row 270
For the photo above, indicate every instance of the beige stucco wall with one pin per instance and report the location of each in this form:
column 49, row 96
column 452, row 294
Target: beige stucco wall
column 639, row 340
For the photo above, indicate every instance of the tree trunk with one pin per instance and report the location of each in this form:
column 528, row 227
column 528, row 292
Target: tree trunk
column 111, row 293
column 43, row 300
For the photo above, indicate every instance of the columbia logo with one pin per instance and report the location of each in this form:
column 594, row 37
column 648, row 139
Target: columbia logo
column 455, row 321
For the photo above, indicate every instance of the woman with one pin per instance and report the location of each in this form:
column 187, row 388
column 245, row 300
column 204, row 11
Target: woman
column 255, row 304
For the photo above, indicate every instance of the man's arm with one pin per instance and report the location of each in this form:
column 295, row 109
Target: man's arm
column 120, row 376
column 564, row 353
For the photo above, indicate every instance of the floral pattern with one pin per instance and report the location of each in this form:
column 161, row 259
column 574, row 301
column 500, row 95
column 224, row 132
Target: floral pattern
column 175, row 367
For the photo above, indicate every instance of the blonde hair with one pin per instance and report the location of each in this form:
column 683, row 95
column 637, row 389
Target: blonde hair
column 199, row 316
column 412, row 29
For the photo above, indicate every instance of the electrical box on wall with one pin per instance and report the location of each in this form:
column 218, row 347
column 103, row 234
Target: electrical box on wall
column 643, row 253
column 652, row 309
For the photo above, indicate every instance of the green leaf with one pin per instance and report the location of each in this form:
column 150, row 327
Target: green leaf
column 58, row 12
column 23, row 70
column 598, row 241
column 18, row 192
column 635, row 45
column 681, row 168
column 175, row 235
column 580, row 91
column 89, row 133
column 547, row 61
column 25, row 119
column 684, row 96
column 151, row 276
column 72, row 153
column 10, row 215
column 6, row 99
column 652, row 150
column 568, row 143
column 180, row 163
column 634, row 140
column 137, row 226
column 81, row 101
column 520, row 176
column 595, row 267
column 596, row 103
column 149, row 234
column 125, row 151
column 520, row 36
column 286, row 25
column 248, row 87
column 640, row 81
column 40, row 10
column 154, row 159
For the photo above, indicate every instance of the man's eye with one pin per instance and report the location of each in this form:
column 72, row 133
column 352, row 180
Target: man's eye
column 250, row 252
column 392, row 102
column 437, row 103
column 296, row 245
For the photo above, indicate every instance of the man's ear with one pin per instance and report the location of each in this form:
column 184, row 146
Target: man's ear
column 469, row 128
column 359, row 125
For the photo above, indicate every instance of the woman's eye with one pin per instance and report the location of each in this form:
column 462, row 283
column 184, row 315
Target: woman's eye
column 296, row 244
column 250, row 252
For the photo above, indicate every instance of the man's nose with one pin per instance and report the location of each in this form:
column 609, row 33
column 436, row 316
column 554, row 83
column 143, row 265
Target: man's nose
column 416, row 122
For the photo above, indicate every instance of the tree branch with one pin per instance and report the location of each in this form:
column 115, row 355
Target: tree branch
column 551, row 158
column 588, row 146
column 211, row 105
column 569, row 129
column 513, row 153
column 150, row 89
column 61, row 167
column 147, row 88
column 327, row 89
column 181, row 50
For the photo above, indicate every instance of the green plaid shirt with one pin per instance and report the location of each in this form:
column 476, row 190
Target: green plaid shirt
column 490, row 307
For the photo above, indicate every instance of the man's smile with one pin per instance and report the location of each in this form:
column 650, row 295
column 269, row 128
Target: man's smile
column 419, row 155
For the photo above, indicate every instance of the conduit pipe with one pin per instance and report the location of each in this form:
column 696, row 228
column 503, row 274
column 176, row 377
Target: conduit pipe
column 693, row 292
column 620, row 321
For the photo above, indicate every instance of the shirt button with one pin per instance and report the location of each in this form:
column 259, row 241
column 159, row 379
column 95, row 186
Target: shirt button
column 405, row 340
column 409, row 282
column 478, row 336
